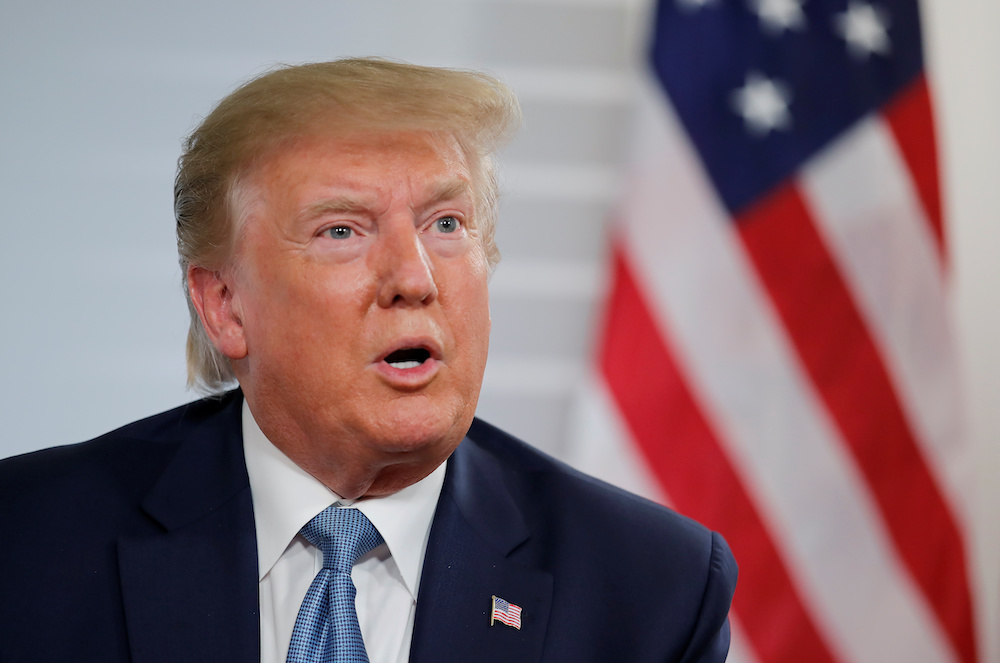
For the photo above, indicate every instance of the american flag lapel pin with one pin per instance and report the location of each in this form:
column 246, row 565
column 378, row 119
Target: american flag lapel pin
column 505, row 612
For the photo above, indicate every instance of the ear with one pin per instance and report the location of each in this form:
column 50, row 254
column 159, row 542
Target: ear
column 220, row 316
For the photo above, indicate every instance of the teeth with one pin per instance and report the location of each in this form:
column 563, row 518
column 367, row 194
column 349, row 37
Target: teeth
column 403, row 365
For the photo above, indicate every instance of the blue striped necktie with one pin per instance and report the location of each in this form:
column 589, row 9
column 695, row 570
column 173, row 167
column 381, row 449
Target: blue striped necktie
column 327, row 629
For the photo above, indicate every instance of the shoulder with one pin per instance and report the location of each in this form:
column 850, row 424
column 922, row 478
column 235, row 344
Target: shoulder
column 562, row 504
column 88, row 495
column 123, row 461
column 554, row 488
column 69, row 511
column 668, row 574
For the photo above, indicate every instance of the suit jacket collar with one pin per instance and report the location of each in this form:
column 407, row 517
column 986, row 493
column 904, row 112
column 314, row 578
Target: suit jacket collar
column 190, row 585
column 478, row 528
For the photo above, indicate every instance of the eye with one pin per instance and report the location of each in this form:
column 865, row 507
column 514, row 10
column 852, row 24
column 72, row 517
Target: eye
column 340, row 232
column 447, row 224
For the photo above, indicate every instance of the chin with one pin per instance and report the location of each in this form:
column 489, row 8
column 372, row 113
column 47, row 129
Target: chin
column 413, row 439
column 435, row 433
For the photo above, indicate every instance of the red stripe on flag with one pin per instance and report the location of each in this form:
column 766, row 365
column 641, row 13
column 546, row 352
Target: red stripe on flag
column 911, row 120
column 844, row 364
column 686, row 457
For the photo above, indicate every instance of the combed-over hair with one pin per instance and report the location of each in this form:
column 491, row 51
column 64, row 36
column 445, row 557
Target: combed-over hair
column 479, row 111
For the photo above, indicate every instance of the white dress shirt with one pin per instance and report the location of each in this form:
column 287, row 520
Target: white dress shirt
column 286, row 497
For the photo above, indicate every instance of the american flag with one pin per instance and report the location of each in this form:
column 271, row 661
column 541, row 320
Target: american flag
column 776, row 359
column 506, row 612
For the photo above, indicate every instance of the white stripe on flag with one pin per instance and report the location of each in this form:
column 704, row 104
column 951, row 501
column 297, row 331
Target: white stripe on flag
column 601, row 444
column 740, row 650
column 862, row 197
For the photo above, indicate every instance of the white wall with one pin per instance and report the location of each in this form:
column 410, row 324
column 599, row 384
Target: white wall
column 96, row 96
column 964, row 62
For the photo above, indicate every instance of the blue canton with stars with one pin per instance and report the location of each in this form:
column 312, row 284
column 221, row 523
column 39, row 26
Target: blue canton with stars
column 762, row 85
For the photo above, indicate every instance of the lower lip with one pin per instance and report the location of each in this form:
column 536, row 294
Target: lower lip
column 408, row 378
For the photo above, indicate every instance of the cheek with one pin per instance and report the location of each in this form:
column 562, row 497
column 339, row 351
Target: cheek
column 294, row 308
column 475, row 314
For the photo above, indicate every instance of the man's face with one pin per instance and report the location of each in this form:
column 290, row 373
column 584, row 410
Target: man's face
column 361, row 291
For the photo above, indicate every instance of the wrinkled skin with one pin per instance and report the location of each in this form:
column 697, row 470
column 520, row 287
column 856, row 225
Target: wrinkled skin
column 353, row 247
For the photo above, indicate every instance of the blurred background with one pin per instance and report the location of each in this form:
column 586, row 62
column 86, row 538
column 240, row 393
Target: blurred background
column 95, row 98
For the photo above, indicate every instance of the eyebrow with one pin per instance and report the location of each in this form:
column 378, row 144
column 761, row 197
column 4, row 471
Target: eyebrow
column 449, row 190
column 340, row 205
column 348, row 204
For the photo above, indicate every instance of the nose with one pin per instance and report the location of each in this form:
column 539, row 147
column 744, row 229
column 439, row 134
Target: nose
column 406, row 274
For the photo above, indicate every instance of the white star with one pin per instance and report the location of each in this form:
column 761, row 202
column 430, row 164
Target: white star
column 864, row 29
column 694, row 5
column 763, row 104
column 776, row 16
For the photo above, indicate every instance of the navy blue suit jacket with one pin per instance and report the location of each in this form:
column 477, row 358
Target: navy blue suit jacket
column 139, row 546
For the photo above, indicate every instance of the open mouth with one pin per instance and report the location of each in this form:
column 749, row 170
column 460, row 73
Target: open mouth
column 407, row 358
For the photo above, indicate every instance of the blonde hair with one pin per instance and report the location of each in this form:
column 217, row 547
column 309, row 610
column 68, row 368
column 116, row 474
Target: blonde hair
column 479, row 111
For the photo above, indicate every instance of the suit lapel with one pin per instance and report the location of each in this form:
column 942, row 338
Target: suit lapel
column 471, row 557
column 190, row 589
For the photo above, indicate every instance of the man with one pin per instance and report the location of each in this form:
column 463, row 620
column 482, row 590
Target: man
column 335, row 227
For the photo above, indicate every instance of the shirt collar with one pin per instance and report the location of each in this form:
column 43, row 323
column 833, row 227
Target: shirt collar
column 286, row 497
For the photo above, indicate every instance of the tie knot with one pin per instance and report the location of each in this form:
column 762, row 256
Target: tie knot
column 343, row 534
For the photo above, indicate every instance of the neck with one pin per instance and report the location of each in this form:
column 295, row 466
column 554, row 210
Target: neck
column 352, row 467
column 361, row 481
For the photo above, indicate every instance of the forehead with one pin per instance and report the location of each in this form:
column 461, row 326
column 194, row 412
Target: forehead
column 372, row 162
